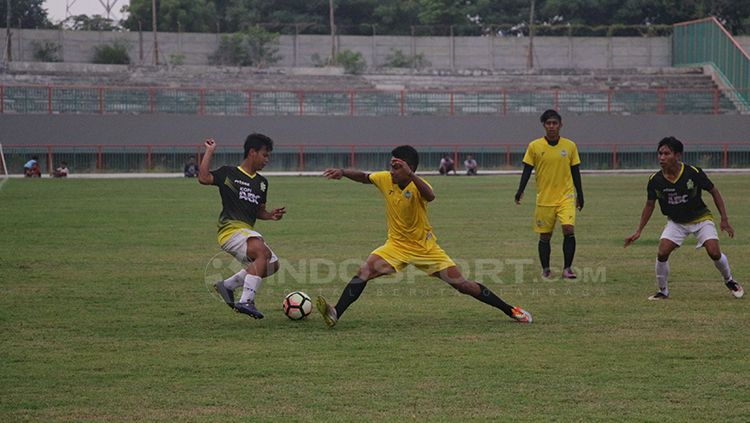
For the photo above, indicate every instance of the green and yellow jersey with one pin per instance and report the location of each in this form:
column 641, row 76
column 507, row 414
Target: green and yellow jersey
column 242, row 195
column 680, row 200
column 554, row 182
column 405, row 211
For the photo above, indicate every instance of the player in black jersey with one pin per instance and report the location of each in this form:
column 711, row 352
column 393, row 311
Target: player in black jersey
column 678, row 188
column 243, row 194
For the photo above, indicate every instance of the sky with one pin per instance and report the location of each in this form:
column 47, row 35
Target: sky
column 56, row 8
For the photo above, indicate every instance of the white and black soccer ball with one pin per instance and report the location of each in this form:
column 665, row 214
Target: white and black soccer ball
column 297, row 305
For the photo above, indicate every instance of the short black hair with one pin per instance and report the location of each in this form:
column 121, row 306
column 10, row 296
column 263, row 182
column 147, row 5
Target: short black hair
column 408, row 154
column 35, row 157
column 550, row 114
column 673, row 143
column 257, row 141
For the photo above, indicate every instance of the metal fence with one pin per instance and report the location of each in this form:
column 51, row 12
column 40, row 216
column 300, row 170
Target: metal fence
column 152, row 158
column 227, row 102
column 706, row 41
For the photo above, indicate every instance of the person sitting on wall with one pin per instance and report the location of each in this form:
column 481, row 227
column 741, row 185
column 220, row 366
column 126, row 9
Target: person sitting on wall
column 61, row 171
column 31, row 168
column 471, row 165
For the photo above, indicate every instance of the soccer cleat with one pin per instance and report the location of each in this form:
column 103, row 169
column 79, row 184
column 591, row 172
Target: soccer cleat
column 658, row 296
column 249, row 309
column 736, row 288
column 569, row 274
column 327, row 311
column 226, row 294
column 521, row 315
column 546, row 274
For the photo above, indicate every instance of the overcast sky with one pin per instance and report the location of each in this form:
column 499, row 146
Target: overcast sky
column 56, row 8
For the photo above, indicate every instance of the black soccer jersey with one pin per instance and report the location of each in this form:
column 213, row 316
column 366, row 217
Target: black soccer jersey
column 242, row 195
column 681, row 200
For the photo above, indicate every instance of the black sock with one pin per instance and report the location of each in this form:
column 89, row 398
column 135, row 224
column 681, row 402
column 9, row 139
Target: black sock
column 488, row 297
column 544, row 252
column 352, row 291
column 569, row 249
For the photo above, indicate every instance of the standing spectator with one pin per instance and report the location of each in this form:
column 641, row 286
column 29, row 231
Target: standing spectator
column 61, row 171
column 31, row 168
column 471, row 165
column 447, row 165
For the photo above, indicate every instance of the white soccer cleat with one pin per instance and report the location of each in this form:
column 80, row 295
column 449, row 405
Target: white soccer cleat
column 736, row 288
column 520, row 315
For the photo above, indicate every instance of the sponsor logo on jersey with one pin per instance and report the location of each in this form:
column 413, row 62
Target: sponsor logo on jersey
column 563, row 153
column 248, row 195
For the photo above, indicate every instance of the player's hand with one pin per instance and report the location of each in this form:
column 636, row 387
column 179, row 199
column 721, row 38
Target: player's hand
column 631, row 239
column 210, row 144
column 277, row 214
column 579, row 202
column 726, row 227
column 519, row 196
column 333, row 173
column 401, row 167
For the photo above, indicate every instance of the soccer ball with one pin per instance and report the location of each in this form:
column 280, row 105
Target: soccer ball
column 297, row 305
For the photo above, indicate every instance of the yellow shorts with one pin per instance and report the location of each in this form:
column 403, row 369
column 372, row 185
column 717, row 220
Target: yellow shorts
column 545, row 216
column 429, row 260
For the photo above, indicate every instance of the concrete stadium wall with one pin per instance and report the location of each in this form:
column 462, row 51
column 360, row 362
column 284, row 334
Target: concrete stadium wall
column 427, row 130
column 442, row 52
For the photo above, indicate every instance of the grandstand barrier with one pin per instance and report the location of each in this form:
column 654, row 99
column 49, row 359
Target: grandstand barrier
column 301, row 158
column 30, row 99
column 707, row 42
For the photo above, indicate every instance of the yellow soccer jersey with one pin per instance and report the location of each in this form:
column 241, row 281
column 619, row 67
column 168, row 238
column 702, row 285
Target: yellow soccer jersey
column 405, row 211
column 554, row 182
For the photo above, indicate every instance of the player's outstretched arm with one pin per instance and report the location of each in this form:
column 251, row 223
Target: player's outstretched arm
column 353, row 174
column 204, row 169
column 719, row 201
column 648, row 210
column 275, row 214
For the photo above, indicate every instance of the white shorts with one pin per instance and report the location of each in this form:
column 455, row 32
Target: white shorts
column 236, row 245
column 677, row 232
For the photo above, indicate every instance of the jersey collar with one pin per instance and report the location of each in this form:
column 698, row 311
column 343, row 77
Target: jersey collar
column 245, row 172
column 679, row 175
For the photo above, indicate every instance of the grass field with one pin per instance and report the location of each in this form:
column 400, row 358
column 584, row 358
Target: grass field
column 105, row 314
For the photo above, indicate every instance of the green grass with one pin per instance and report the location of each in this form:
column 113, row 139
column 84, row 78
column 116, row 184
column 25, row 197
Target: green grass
column 105, row 313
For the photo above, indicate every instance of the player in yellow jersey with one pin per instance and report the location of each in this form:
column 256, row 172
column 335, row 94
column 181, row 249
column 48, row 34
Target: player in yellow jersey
column 558, row 184
column 410, row 238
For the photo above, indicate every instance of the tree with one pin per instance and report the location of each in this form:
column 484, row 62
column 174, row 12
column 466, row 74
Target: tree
column 93, row 23
column 173, row 15
column 30, row 13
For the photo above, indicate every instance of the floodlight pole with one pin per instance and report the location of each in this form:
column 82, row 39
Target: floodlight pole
column 333, row 32
column 156, row 41
column 530, row 60
column 9, row 45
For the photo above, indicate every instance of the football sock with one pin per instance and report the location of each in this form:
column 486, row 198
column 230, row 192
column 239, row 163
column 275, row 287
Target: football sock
column 662, row 274
column 236, row 280
column 544, row 252
column 569, row 250
column 723, row 265
column 352, row 291
column 251, row 286
column 488, row 297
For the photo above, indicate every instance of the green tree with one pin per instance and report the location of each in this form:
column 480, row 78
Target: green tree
column 90, row 23
column 252, row 47
column 31, row 14
column 172, row 15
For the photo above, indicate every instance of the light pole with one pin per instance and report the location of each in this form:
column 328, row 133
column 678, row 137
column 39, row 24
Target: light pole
column 333, row 32
column 530, row 60
column 156, row 41
column 9, row 49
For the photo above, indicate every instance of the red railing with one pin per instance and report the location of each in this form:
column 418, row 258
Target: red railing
column 495, row 156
